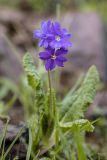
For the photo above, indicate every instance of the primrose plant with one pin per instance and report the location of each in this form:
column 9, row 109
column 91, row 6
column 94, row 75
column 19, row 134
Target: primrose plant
column 56, row 129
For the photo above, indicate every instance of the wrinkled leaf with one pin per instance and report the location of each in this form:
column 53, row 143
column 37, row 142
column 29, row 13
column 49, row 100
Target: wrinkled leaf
column 82, row 124
column 33, row 77
column 83, row 97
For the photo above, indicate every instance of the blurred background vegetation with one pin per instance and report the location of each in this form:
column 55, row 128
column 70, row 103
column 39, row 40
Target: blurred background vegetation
column 49, row 6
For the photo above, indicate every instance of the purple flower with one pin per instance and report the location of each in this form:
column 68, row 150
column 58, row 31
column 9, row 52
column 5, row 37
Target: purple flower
column 44, row 34
column 52, row 35
column 53, row 58
column 61, row 38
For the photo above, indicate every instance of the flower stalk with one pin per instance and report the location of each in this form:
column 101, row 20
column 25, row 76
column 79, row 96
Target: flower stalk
column 50, row 89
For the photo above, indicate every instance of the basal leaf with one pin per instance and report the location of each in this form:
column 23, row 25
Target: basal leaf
column 83, row 97
column 82, row 124
column 34, row 81
column 33, row 77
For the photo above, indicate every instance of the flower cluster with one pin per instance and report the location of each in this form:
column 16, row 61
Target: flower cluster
column 55, row 40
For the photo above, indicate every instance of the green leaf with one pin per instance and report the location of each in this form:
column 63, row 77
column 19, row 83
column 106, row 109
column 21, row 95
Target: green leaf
column 45, row 158
column 34, row 122
column 70, row 97
column 34, row 81
column 82, row 124
column 13, row 142
column 34, row 127
column 32, row 75
column 83, row 97
column 47, row 125
column 29, row 149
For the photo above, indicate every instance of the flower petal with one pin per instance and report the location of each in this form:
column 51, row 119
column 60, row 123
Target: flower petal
column 55, row 44
column 59, row 63
column 61, row 51
column 65, row 43
column 37, row 34
column 65, row 33
column 44, row 55
column 41, row 43
column 46, row 26
column 61, row 58
column 50, row 64
column 56, row 28
column 45, row 44
column 50, row 50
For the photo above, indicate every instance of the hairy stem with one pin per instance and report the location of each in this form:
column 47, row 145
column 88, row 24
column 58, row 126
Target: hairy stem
column 50, row 89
